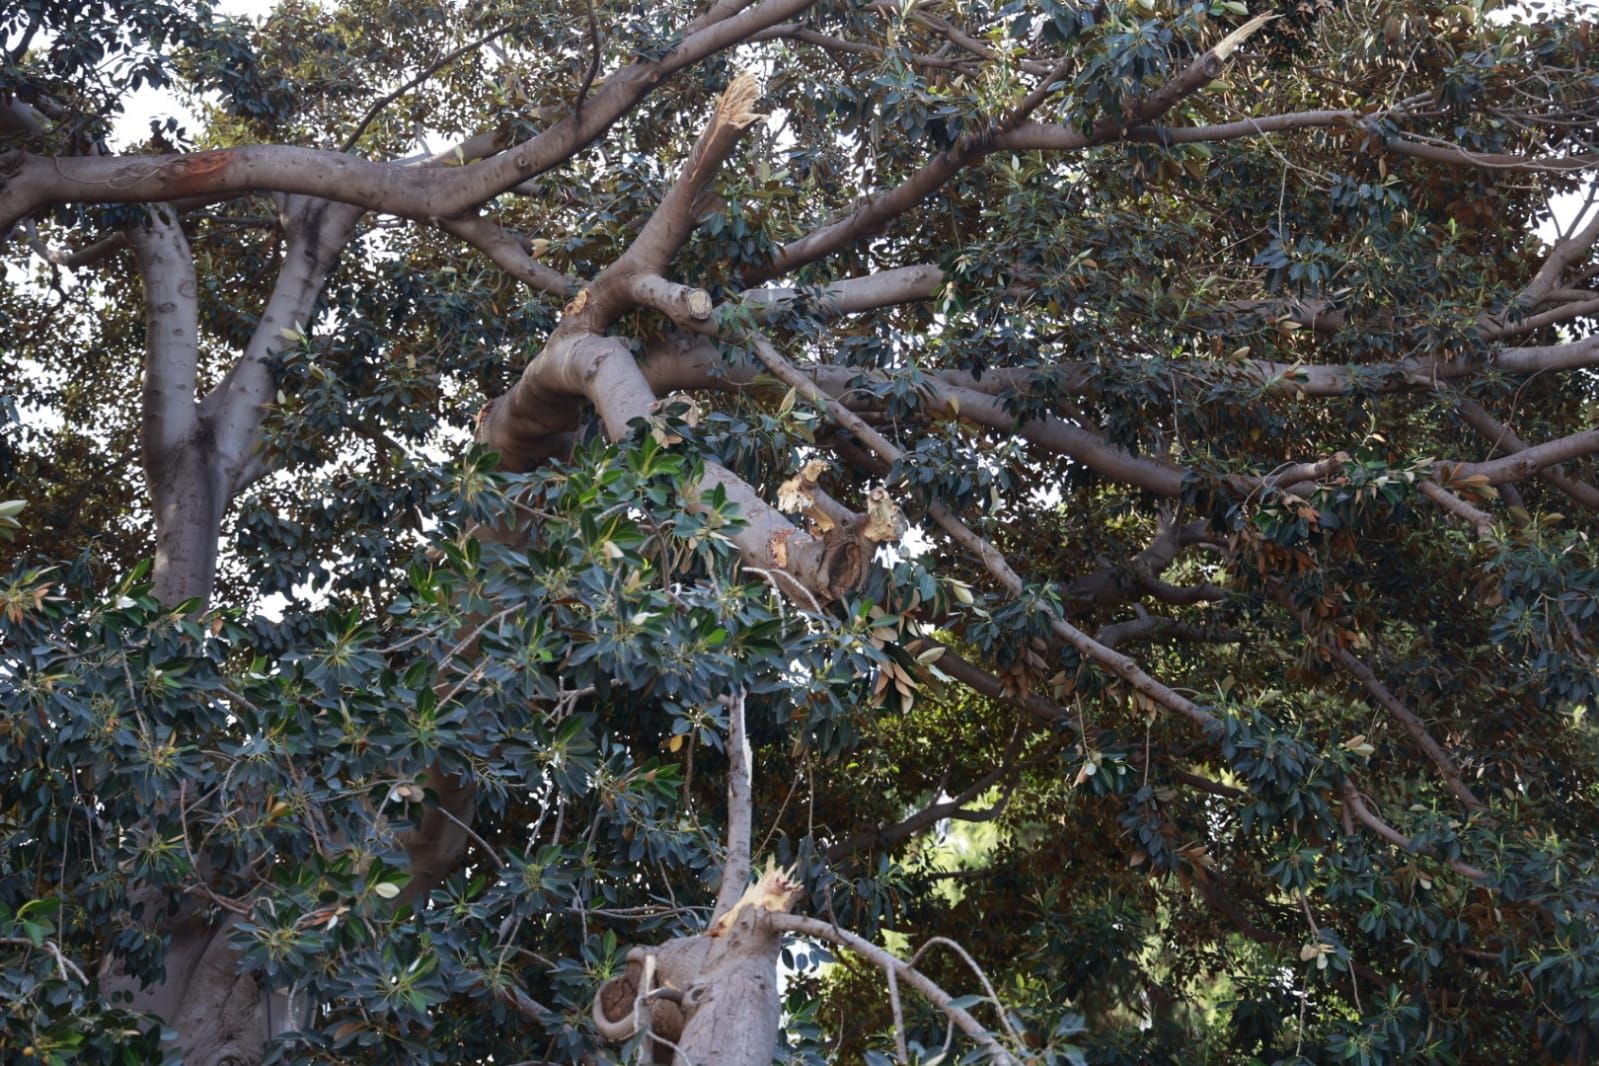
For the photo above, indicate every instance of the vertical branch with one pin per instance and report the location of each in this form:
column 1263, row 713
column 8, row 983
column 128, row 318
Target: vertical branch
column 317, row 231
column 736, row 869
column 185, row 495
column 171, row 332
column 594, row 58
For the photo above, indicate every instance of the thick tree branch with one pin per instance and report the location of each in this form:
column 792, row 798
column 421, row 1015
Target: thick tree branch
column 317, row 231
column 510, row 254
column 525, row 426
column 1524, row 464
column 674, row 218
column 171, row 333
column 1500, row 436
column 1566, row 253
column 1481, row 521
column 853, row 295
column 32, row 182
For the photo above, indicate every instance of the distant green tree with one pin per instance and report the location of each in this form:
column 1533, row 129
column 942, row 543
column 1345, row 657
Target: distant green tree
column 506, row 474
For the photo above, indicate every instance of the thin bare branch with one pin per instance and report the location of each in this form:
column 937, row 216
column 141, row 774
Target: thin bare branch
column 1412, row 724
column 427, row 72
column 884, row 960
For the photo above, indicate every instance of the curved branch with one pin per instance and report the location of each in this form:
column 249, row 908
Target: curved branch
column 887, row 962
column 1366, row 817
column 32, row 181
column 510, row 254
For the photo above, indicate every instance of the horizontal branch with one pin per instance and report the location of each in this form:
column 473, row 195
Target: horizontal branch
column 29, row 182
column 1500, row 436
column 1524, row 464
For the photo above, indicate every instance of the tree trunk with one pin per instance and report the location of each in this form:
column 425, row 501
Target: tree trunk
column 190, row 498
column 198, row 454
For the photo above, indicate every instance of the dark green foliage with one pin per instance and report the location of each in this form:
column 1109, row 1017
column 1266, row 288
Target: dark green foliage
column 1136, row 887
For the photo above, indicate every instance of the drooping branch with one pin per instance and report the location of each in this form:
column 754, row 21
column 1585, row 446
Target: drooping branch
column 1481, row 521
column 997, row 565
column 987, row 554
column 1364, row 814
column 510, row 254
column 985, row 683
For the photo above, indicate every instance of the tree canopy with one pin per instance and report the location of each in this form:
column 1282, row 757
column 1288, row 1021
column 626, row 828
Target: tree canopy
column 1096, row 500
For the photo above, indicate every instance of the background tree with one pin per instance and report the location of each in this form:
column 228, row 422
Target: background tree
column 1101, row 495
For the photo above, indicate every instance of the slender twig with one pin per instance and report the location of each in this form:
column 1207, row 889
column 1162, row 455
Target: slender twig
column 63, row 964
column 594, row 57
column 427, row 72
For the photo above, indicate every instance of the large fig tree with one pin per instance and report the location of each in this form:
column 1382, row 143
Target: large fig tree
column 709, row 530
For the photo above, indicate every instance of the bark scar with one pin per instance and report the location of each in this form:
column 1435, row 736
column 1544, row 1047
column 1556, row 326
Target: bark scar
column 194, row 173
